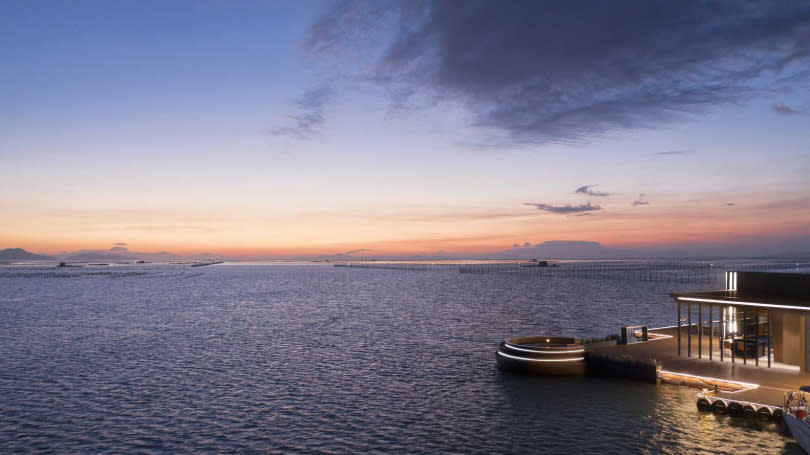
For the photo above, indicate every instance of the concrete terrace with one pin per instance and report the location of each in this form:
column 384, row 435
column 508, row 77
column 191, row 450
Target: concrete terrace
column 772, row 382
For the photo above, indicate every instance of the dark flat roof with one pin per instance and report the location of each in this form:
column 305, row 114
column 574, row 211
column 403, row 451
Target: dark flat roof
column 741, row 298
column 786, row 285
column 759, row 289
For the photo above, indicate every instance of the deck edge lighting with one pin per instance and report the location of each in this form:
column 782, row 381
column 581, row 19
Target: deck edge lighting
column 573, row 351
column 740, row 303
column 540, row 360
column 748, row 385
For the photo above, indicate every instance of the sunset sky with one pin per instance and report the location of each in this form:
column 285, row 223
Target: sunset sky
column 289, row 128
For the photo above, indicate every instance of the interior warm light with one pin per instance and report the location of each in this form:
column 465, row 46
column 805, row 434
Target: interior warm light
column 548, row 340
column 732, row 320
column 731, row 281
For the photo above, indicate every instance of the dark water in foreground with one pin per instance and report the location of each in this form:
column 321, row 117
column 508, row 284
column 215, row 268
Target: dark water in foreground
column 314, row 359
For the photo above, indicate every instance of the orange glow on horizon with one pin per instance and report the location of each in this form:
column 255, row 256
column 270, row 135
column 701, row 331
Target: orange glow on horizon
column 405, row 231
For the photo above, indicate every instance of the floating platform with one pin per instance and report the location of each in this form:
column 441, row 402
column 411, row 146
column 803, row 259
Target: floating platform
column 559, row 356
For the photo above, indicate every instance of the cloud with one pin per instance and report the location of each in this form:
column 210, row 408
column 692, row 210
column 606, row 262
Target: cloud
column 310, row 120
column 587, row 190
column 565, row 209
column 782, row 109
column 729, row 204
column 801, row 204
column 527, row 244
column 556, row 71
column 359, row 250
column 640, row 200
column 672, row 153
column 120, row 244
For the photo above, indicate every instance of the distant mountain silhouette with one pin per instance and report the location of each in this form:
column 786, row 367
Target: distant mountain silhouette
column 159, row 256
column 564, row 249
column 97, row 256
column 19, row 254
column 117, row 254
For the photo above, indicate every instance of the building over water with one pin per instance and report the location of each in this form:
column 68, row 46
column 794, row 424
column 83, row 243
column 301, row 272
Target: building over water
column 760, row 318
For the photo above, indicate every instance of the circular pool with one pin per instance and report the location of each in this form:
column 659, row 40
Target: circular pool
column 542, row 355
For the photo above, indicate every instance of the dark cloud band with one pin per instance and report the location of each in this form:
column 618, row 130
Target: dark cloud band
column 561, row 71
column 588, row 189
column 565, row 209
column 310, row 119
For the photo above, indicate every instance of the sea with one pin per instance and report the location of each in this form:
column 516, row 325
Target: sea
column 316, row 359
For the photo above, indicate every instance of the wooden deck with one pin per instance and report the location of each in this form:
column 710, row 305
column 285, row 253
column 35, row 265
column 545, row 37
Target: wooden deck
column 772, row 382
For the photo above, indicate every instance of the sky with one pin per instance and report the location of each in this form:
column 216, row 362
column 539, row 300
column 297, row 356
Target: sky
column 288, row 128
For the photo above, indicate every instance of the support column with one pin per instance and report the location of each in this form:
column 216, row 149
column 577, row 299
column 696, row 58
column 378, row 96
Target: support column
column 769, row 338
column 732, row 335
column 756, row 338
column 711, row 329
column 722, row 314
column 700, row 330
column 689, row 329
column 745, row 336
column 679, row 327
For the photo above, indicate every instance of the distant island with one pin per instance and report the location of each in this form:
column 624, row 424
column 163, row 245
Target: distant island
column 117, row 254
column 563, row 249
column 19, row 254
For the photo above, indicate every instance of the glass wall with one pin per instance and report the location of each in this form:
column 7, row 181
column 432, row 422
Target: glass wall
column 747, row 335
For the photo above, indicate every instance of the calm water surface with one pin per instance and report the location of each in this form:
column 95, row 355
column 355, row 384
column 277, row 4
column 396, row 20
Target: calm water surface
column 316, row 359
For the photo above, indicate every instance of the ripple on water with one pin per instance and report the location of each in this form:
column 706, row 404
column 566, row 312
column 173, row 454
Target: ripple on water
column 313, row 359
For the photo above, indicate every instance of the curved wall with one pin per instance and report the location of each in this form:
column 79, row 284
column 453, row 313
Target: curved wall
column 542, row 355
